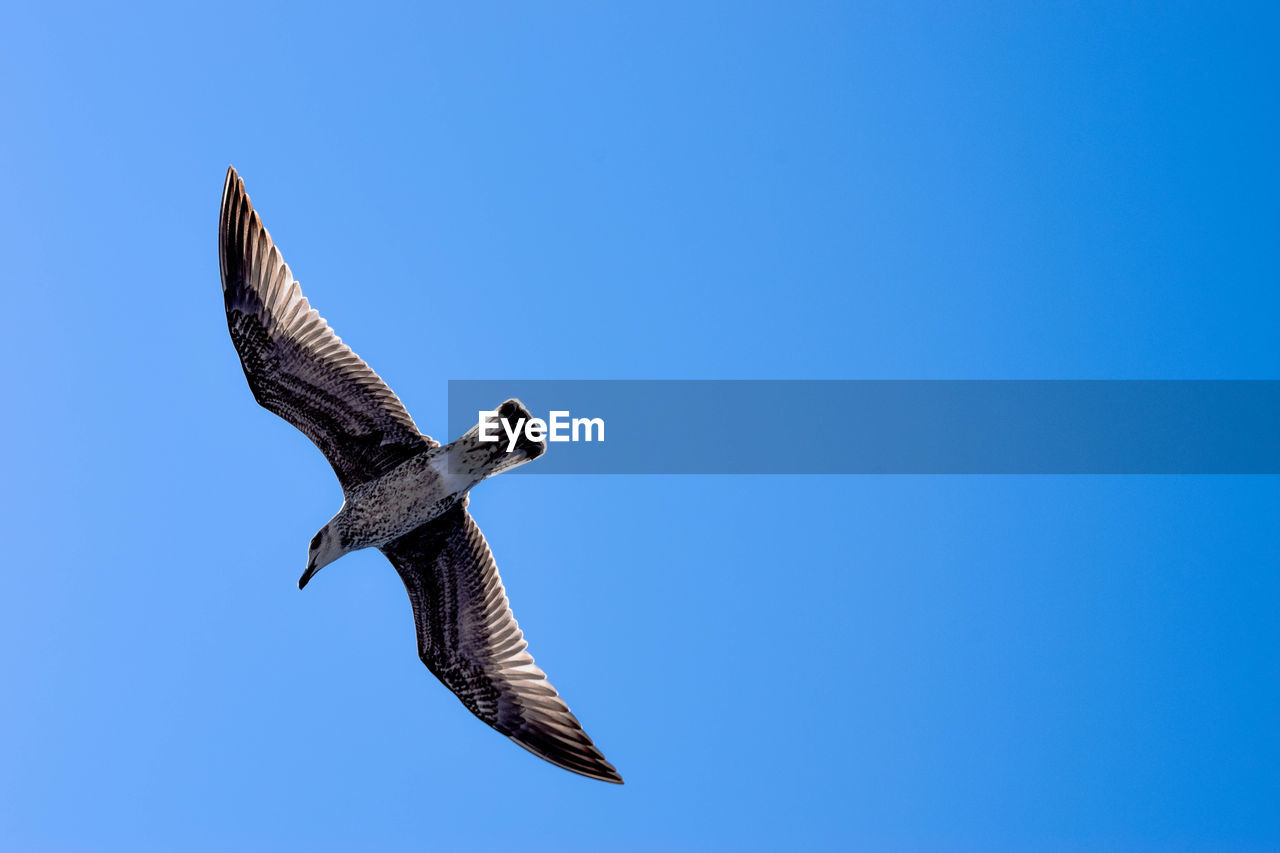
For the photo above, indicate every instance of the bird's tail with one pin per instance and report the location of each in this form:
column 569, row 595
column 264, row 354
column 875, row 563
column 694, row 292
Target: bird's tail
column 498, row 443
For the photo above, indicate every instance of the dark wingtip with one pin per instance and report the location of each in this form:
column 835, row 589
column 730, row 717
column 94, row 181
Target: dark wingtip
column 591, row 765
column 231, row 184
column 229, row 261
column 606, row 772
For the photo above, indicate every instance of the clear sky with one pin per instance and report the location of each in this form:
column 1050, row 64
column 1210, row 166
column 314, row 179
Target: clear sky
column 890, row 190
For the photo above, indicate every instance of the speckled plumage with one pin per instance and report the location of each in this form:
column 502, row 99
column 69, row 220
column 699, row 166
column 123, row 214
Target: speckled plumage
column 403, row 493
column 426, row 486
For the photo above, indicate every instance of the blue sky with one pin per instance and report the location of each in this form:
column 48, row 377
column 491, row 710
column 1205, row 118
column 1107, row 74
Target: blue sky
column 670, row 191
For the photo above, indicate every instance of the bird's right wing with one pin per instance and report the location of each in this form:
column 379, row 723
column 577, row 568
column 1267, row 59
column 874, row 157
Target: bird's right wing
column 469, row 639
column 296, row 366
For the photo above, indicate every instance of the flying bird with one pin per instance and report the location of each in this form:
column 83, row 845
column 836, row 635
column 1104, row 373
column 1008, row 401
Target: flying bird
column 403, row 493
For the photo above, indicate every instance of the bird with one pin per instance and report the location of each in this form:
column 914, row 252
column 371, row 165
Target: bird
column 403, row 493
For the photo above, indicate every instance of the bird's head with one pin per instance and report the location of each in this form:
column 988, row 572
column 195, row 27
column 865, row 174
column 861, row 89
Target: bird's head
column 325, row 548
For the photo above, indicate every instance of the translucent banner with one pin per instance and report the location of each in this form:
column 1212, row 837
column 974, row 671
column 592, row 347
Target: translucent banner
column 885, row 427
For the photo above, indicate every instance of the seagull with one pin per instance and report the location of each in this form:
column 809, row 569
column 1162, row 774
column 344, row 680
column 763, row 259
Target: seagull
column 403, row 493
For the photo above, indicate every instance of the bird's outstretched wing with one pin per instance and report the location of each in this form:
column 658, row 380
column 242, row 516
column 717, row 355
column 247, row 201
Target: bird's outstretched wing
column 468, row 638
column 296, row 366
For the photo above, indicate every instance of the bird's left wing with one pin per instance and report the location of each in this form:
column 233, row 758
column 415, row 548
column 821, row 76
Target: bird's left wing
column 296, row 366
column 469, row 639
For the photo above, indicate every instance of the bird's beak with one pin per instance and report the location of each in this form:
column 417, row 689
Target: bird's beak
column 312, row 568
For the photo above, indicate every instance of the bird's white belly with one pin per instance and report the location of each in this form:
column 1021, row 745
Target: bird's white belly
column 403, row 499
column 427, row 486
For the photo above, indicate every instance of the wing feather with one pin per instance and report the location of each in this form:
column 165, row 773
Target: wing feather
column 468, row 637
column 296, row 366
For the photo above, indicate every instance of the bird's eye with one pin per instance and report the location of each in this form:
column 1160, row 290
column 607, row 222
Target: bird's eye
column 315, row 540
